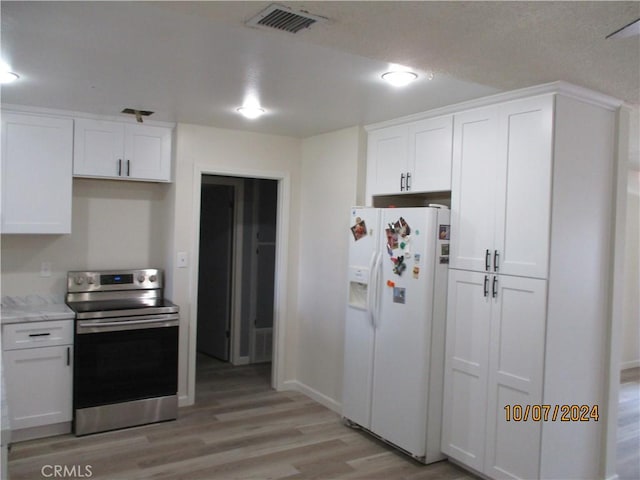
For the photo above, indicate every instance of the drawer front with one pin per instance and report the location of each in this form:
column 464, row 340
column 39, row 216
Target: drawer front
column 37, row 334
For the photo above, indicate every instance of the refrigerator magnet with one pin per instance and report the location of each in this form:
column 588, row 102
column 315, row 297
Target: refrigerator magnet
column 399, row 295
column 359, row 230
column 416, row 258
column 443, row 233
column 416, row 272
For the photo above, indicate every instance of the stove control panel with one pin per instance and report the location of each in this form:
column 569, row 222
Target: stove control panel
column 110, row 280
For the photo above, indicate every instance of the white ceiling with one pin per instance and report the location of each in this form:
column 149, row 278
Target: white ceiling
column 195, row 62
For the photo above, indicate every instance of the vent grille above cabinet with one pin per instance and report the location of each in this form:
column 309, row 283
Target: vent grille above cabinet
column 284, row 18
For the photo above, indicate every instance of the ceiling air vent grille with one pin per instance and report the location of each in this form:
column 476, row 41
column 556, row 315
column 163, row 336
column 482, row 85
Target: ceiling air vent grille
column 284, row 18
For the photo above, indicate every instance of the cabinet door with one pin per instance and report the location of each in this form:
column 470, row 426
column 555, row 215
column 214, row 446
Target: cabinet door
column 430, row 149
column 524, row 199
column 147, row 153
column 36, row 173
column 515, row 377
column 387, row 160
column 39, row 386
column 466, row 367
column 473, row 188
column 98, row 148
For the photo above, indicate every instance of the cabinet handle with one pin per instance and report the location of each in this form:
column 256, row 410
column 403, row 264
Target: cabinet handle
column 496, row 255
column 487, row 257
column 408, row 181
column 494, row 290
column 486, row 285
column 39, row 334
column 119, row 167
column 402, row 182
column 128, row 168
column 68, row 356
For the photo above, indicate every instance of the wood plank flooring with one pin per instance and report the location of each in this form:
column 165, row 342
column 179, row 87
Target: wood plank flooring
column 628, row 447
column 239, row 428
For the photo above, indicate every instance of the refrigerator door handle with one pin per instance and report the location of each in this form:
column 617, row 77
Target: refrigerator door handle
column 371, row 287
column 376, row 292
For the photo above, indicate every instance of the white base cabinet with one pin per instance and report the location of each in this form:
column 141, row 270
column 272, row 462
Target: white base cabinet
column 37, row 362
column 37, row 157
column 495, row 355
column 122, row 150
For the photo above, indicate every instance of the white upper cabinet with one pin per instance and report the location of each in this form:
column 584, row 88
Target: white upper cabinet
column 430, row 150
column 37, row 156
column 501, row 188
column 122, row 150
column 473, row 189
column 410, row 158
column 387, row 161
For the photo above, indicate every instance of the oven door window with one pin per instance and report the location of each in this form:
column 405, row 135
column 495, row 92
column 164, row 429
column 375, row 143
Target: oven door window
column 114, row 367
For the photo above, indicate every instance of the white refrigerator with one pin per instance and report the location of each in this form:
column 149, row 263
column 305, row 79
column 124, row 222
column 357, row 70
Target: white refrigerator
column 395, row 326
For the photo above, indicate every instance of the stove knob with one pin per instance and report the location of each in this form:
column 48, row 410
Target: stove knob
column 153, row 278
column 79, row 280
column 141, row 278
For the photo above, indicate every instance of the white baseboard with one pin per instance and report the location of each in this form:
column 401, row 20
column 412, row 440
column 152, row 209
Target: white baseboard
column 613, row 477
column 321, row 398
column 631, row 364
column 242, row 361
column 184, row 401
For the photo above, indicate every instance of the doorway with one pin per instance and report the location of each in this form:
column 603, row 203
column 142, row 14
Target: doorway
column 237, row 246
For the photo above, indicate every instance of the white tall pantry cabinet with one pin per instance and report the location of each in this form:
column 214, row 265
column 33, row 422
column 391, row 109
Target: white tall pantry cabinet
column 528, row 296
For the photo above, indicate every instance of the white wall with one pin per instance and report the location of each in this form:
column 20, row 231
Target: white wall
column 115, row 224
column 220, row 151
column 631, row 308
column 329, row 179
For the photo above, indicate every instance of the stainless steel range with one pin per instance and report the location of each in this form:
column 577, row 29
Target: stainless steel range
column 125, row 349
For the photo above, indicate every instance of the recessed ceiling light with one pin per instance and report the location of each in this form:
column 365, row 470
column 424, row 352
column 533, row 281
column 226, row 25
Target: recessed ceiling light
column 8, row 77
column 250, row 112
column 399, row 78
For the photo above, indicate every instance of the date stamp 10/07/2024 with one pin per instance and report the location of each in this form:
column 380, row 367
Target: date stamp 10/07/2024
column 553, row 413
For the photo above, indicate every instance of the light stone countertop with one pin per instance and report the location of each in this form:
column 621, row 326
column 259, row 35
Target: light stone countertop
column 34, row 308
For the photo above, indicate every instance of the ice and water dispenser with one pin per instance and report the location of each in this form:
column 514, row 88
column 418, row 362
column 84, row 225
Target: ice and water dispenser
column 358, row 287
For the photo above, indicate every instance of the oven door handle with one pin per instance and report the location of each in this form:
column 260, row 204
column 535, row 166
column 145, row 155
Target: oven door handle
column 127, row 323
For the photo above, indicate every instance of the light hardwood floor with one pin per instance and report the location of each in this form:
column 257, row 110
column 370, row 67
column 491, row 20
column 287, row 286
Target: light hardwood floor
column 239, row 428
column 628, row 448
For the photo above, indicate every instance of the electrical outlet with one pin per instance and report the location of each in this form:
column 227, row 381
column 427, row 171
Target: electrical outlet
column 182, row 260
column 45, row 269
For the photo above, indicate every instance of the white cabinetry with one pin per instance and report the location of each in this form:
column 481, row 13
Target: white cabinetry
column 37, row 156
column 37, row 362
column 410, row 158
column 122, row 150
column 495, row 349
column 528, row 298
column 501, row 188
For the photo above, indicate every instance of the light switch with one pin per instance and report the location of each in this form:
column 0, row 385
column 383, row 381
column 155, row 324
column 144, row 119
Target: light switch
column 182, row 260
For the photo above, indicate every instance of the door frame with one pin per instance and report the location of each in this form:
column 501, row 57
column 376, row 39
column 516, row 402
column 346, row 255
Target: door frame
column 280, row 300
column 235, row 307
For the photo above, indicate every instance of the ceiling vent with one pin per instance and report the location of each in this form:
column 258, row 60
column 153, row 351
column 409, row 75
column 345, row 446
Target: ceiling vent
column 284, row 19
column 138, row 113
